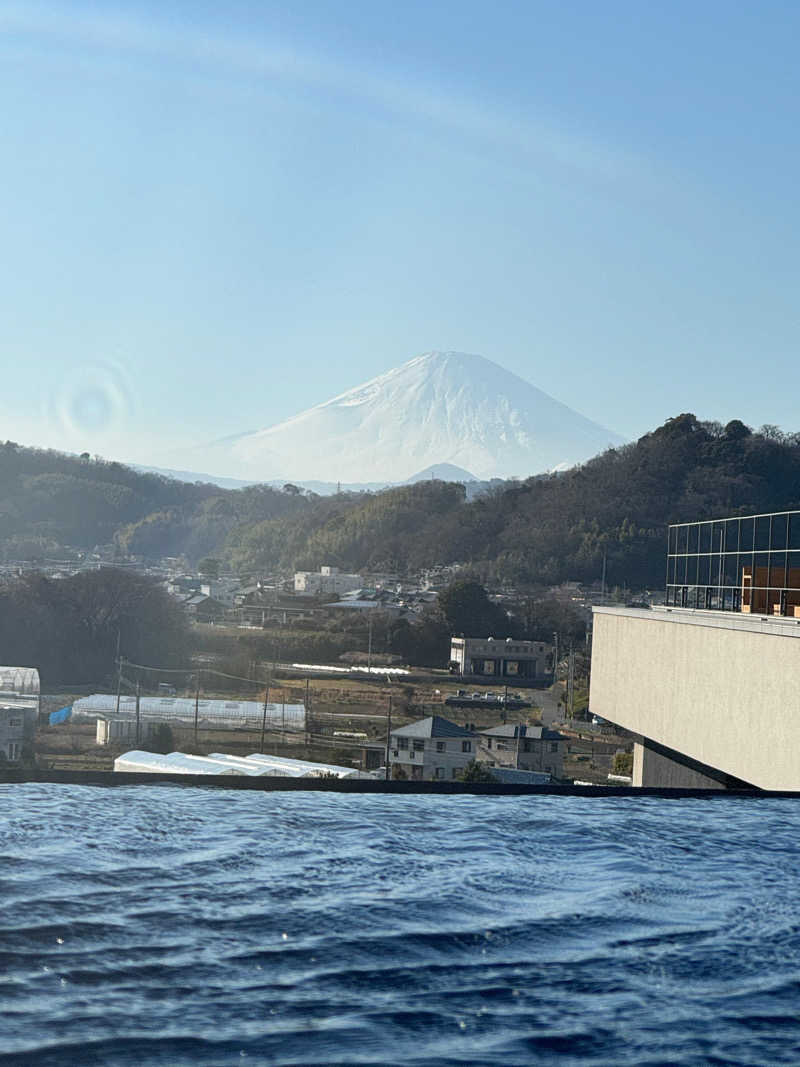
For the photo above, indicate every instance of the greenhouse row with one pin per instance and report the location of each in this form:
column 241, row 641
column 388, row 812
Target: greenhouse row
column 138, row 762
column 182, row 710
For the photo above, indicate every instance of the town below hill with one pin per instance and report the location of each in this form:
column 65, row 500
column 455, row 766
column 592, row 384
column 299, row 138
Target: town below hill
column 604, row 519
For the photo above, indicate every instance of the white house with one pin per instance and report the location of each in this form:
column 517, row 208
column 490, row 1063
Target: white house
column 510, row 659
column 329, row 581
column 431, row 749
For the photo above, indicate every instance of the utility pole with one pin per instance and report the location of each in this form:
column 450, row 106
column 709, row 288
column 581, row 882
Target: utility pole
column 369, row 645
column 305, row 712
column 138, row 719
column 571, row 682
column 603, row 579
column 119, row 678
column 264, row 718
column 388, row 735
column 196, row 705
column 555, row 657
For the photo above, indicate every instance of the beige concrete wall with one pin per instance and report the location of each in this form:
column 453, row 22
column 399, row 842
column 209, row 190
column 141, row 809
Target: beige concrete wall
column 724, row 691
column 654, row 768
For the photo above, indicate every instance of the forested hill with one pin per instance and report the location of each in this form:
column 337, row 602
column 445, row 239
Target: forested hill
column 554, row 527
column 52, row 504
column 547, row 529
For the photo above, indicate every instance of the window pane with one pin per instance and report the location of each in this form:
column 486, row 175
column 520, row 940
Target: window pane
column 793, row 559
column 705, row 537
column 694, row 536
column 746, row 543
column 794, row 530
column 762, row 533
column 779, row 531
column 704, row 570
column 732, row 535
column 731, row 574
column 680, row 570
column 691, row 570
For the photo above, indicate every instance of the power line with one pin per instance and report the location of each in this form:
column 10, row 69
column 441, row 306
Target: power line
column 195, row 670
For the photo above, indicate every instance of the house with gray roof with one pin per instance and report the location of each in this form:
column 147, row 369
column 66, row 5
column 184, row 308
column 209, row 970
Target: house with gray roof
column 432, row 749
column 523, row 747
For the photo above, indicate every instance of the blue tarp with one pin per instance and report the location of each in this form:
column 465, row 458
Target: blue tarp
column 59, row 716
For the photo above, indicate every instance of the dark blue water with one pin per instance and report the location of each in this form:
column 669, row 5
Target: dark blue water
column 158, row 925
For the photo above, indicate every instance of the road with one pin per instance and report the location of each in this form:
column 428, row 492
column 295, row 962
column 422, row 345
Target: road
column 548, row 702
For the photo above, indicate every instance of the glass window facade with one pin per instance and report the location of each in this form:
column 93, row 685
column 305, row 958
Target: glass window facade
column 749, row 564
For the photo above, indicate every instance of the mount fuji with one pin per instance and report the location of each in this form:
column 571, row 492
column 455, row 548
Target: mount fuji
column 439, row 408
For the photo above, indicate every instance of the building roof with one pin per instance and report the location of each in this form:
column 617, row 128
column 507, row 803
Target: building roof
column 433, row 726
column 533, row 733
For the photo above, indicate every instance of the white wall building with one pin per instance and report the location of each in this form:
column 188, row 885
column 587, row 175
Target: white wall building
column 510, row 659
column 431, row 749
column 19, row 710
column 328, row 581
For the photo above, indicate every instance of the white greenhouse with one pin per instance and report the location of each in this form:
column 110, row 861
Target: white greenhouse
column 181, row 710
column 138, row 762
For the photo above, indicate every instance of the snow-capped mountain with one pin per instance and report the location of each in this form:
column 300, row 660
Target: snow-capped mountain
column 440, row 408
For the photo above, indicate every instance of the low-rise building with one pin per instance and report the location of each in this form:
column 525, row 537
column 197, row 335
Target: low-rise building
column 204, row 608
column 511, row 660
column 328, row 581
column 523, row 747
column 431, row 749
column 223, row 590
column 19, row 710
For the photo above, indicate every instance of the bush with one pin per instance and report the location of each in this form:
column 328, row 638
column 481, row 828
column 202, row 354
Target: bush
column 623, row 763
column 475, row 771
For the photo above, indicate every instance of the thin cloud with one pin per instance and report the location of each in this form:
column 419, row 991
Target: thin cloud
column 526, row 136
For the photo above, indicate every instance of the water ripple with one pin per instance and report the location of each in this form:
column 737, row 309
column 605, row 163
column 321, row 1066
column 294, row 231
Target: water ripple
column 156, row 925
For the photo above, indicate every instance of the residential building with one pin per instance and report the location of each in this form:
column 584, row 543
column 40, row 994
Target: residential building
column 19, row 710
column 523, row 747
column 329, row 581
column 431, row 749
column 204, row 608
column 510, row 660
column 223, row 590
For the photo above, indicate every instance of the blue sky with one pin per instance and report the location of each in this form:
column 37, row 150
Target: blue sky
column 218, row 215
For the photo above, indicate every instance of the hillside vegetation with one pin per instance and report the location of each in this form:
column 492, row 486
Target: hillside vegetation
column 550, row 528
column 53, row 505
column 547, row 529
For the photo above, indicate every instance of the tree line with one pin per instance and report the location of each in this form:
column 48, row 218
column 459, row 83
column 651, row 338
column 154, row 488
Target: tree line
column 71, row 629
column 609, row 514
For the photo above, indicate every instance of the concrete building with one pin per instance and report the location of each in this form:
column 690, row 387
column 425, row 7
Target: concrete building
column 523, row 747
column 329, row 581
column 19, row 710
column 431, row 749
column 508, row 660
column 709, row 683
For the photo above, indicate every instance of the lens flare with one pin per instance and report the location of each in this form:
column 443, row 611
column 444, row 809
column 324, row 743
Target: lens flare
column 92, row 401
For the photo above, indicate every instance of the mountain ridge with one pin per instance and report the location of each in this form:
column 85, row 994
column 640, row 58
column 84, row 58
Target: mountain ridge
column 442, row 407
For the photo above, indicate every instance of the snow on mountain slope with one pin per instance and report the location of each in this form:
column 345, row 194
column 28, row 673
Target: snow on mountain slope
column 442, row 407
